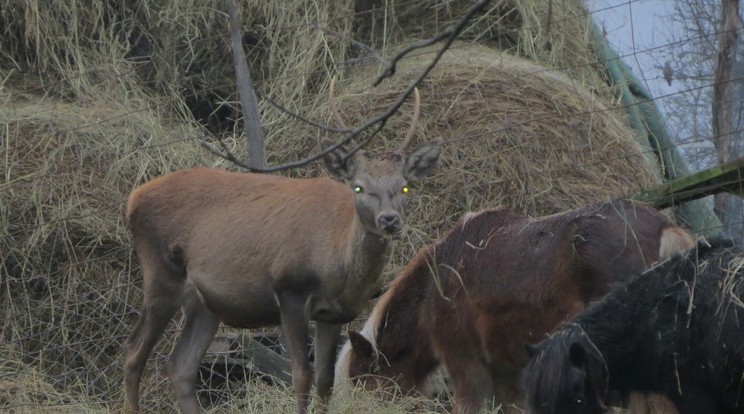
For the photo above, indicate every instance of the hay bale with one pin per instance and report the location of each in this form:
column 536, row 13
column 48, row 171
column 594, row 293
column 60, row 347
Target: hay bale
column 516, row 134
column 69, row 285
column 180, row 50
column 555, row 33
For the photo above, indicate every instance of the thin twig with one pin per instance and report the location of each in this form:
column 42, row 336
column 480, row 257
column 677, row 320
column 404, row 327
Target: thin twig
column 303, row 119
column 450, row 34
column 248, row 101
column 380, row 120
column 373, row 53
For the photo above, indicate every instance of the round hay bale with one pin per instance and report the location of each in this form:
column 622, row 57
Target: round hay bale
column 516, row 134
column 556, row 32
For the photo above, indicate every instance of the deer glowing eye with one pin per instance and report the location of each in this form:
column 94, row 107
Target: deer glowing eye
column 358, row 189
column 405, row 190
column 579, row 401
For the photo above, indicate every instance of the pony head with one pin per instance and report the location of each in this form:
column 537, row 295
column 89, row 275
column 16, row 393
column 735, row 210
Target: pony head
column 566, row 374
column 362, row 364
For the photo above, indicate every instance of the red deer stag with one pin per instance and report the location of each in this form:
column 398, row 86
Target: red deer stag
column 496, row 282
column 255, row 250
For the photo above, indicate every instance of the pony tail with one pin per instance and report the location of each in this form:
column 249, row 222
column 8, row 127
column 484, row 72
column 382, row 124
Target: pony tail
column 674, row 240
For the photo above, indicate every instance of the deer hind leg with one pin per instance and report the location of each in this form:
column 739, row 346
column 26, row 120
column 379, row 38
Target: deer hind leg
column 160, row 304
column 183, row 365
column 295, row 323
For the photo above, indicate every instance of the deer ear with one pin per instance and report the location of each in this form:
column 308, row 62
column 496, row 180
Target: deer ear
column 421, row 161
column 337, row 162
column 360, row 344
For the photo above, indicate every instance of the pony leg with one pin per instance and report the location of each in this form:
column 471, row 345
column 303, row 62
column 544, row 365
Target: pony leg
column 471, row 383
column 326, row 345
column 183, row 365
column 295, row 326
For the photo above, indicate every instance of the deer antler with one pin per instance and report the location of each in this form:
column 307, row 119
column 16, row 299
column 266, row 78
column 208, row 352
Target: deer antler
column 414, row 120
column 332, row 105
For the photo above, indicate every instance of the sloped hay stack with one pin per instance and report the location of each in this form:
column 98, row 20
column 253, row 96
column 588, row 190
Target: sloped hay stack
column 89, row 108
column 68, row 285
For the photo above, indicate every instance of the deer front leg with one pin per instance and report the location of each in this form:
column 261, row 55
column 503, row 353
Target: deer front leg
column 326, row 345
column 295, row 326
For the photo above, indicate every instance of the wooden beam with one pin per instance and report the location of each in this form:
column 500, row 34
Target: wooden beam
column 243, row 350
column 728, row 177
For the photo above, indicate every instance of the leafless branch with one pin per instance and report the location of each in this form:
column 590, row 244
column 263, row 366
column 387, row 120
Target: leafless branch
column 372, row 52
column 303, row 119
column 722, row 107
column 225, row 154
column 248, row 101
column 450, row 34
column 377, row 123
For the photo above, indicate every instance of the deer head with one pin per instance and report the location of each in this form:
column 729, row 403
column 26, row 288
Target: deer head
column 380, row 184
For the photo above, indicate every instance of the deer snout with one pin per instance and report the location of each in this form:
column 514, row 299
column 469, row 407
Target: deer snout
column 389, row 223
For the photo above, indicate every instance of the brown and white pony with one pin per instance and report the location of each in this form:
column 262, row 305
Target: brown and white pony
column 496, row 282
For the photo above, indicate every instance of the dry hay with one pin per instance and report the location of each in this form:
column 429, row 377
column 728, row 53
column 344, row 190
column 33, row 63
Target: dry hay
column 180, row 50
column 516, row 134
column 67, row 282
column 555, row 33
column 88, row 109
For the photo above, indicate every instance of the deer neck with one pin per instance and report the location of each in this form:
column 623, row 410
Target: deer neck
column 368, row 252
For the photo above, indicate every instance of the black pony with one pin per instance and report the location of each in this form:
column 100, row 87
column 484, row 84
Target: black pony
column 677, row 329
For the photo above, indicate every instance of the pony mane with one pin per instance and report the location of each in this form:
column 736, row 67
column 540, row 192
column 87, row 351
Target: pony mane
column 379, row 313
column 369, row 332
column 414, row 281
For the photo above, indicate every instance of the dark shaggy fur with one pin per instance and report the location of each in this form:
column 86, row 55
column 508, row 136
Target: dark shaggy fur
column 677, row 329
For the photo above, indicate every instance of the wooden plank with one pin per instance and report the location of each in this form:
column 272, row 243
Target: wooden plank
column 725, row 177
column 247, row 353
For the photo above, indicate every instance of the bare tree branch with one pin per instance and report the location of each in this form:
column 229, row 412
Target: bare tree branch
column 721, row 111
column 372, row 52
column 378, row 122
column 225, row 154
column 450, row 34
column 727, row 206
column 303, row 119
column 248, row 101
